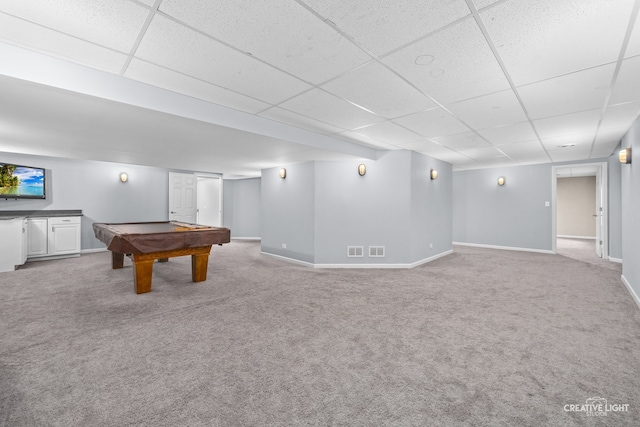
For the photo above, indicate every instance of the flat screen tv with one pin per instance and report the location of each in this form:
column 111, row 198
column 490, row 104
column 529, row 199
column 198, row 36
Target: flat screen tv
column 21, row 182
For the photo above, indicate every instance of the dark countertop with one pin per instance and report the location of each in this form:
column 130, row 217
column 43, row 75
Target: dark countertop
column 41, row 213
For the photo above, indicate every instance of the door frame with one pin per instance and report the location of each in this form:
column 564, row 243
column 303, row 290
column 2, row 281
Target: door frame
column 603, row 190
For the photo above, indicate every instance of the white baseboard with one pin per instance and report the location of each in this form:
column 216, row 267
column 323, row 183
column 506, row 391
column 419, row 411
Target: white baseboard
column 618, row 260
column 635, row 296
column 368, row 266
column 576, row 237
column 91, row 251
column 504, row 248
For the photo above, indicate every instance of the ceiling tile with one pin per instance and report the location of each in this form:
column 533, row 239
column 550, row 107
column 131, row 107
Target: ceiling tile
column 358, row 138
column 531, row 159
column 518, row 132
column 462, row 141
column 54, row 43
column 627, row 86
column 396, row 23
column 289, row 117
column 497, row 162
column 496, row 109
column 620, row 117
column 457, row 159
column 315, row 54
column 433, row 123
column 108, row 23
column 379, row 90
column 583, row 33
column 484, row 153
column 176, row 82
column 481, row 4
column 633, row 48
column 147, row 2
column 520, row 150
column 441, row 64
column 325, row 107
column 584, row 90
column 568, row 124
column 176, row 47
column 578, row 142
column 390, row 133
column 606, row 143
column 570, row 154
column 427, row 147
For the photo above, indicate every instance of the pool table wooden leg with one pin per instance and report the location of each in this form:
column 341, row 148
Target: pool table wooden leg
column 117, row 260
column 142, row 274
column 199, row 265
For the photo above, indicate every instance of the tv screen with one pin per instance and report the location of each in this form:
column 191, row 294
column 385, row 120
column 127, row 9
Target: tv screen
column 21, row 182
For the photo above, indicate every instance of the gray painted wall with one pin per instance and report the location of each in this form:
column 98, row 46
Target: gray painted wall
column 431, row 207
column 630, row 194
column 288, row 212
column 370, row 210
column 394, row 205
column 242, row 207
column 615, row 206
column 513, row 215
column 95, row 188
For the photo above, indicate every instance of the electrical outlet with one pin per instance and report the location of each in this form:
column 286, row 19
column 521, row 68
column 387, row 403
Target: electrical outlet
column 431, row 245
column 284, row 246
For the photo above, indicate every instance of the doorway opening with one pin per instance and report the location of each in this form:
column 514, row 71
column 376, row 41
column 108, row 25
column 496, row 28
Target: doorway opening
column 579, row 217
column 195, row 198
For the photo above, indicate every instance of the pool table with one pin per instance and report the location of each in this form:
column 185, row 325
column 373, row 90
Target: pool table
column 144, row 242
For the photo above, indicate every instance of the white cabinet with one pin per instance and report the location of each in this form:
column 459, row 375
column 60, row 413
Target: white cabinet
column 54, row 236
column 37, row 237
column 64, row 235
column 11, row 242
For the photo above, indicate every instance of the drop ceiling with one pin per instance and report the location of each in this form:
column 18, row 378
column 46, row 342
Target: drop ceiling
column 234, row 86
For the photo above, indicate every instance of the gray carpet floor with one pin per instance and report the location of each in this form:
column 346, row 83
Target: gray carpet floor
column 478, row 338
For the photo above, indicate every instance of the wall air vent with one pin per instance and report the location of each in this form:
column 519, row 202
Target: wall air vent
column 355, row 251
column 376, row 251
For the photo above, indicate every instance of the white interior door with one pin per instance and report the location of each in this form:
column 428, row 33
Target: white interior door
column 599, row 211
column 210, row 200
column 182, row 197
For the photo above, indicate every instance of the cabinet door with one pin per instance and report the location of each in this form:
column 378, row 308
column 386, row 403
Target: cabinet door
column 64, row 236
column 37, row 237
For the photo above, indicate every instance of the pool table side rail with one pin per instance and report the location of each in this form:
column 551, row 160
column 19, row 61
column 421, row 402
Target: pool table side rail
column 141, row 242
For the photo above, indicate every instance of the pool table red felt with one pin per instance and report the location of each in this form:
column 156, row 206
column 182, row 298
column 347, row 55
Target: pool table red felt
column 144, row 242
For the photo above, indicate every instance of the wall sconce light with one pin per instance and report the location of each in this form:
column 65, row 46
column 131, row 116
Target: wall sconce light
column 283, row 173
column 501, row 181
column 624, row 156
column 362, row 169
column 434, row 174
column 124, row 177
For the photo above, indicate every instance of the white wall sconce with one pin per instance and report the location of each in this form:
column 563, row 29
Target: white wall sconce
column 124, row 177
column 434, row 174
column 362, row 169
column 501, row 181
column 283, row 173
column 624, row 156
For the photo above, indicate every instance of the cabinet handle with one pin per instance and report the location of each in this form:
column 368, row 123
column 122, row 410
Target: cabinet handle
column 66, row 220
column 53, row 229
